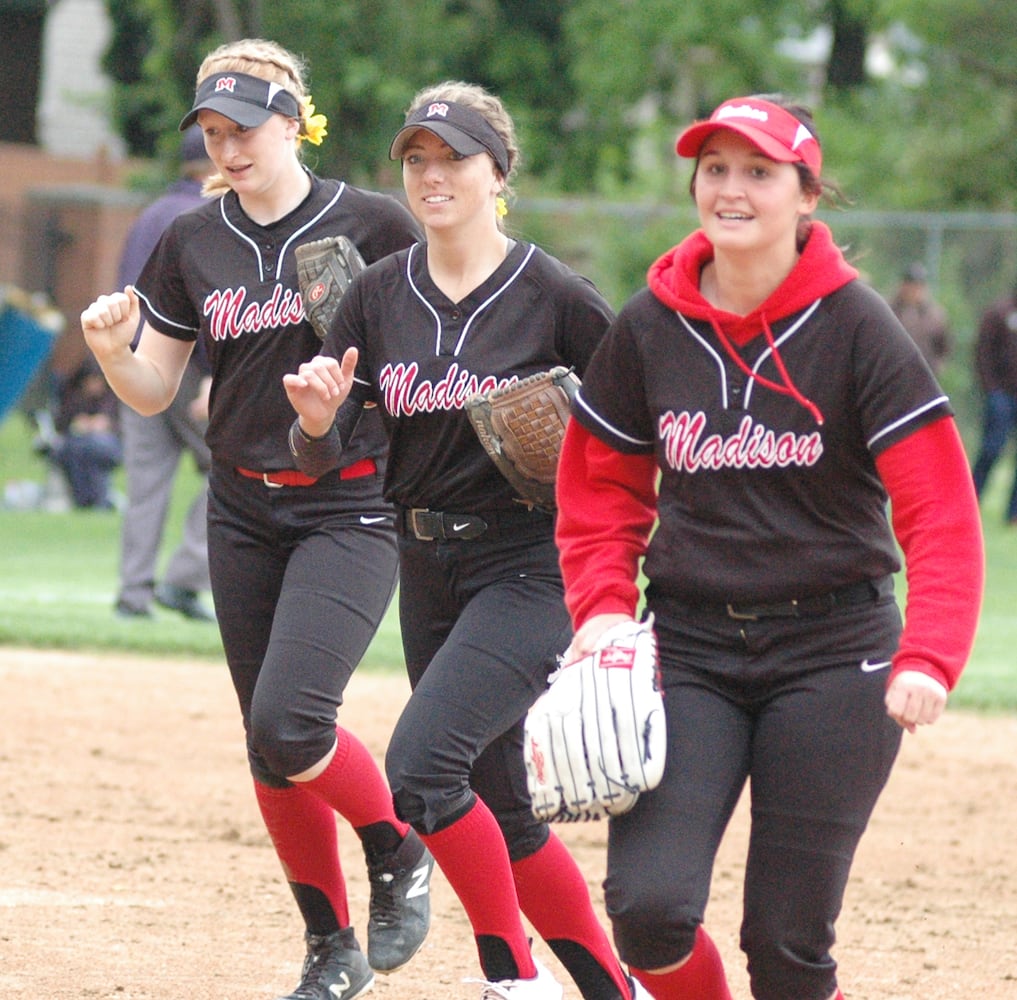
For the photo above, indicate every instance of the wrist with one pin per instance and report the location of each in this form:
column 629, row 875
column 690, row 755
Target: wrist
column 313, row 433
column 315, row 455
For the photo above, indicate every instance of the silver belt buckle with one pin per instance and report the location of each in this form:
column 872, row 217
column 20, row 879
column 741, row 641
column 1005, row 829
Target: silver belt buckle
column 733, row 612
column 420, row 533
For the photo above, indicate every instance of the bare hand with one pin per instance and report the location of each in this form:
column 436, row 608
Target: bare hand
column 110, row 323
column 915, row 699
column 319, row 388
column 584, row 641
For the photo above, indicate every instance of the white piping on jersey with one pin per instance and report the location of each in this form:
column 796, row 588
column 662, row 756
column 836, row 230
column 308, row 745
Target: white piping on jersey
column 713, row 354
column 790, row 331
column 483, row 305
column 294, row 235
column 165, row 319
column 721, row 372
column 924, row 408
column 580, row 402
column 913, row 414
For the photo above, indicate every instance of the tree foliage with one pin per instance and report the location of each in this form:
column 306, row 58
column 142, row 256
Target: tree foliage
column 915, row 99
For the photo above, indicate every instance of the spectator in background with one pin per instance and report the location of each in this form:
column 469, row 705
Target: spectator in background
column 87, row 444
column 153, row 446
column 923, row 317
column 996, row 369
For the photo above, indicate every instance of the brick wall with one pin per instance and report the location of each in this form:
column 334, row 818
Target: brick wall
column 62, row 224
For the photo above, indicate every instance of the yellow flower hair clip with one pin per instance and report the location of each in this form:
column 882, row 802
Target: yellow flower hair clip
column 315, row 126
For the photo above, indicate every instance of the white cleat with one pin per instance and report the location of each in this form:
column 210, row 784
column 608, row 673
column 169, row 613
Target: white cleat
column 542, row 987
column 638, row 990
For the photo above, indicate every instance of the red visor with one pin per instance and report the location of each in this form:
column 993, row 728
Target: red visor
column 776, row 132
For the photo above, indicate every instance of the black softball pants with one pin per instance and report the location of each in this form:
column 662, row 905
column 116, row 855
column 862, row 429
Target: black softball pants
column 482, row 624
column 785, row 705
column 301, row 578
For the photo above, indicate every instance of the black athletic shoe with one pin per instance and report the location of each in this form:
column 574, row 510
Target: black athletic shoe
column 124, row 610
column 183, row 600
column 332, row 971
column 400, row 909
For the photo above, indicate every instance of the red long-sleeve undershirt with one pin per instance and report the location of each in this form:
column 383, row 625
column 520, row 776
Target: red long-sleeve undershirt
column 935, row 518
column 607, row 505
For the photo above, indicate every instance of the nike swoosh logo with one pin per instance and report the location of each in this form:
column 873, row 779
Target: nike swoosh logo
column 371, row 520
column 460, row 525
column 868, row 667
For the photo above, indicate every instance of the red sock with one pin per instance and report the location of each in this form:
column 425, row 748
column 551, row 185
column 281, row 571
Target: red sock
column 302, row 828
column 473, row 857
column 555, row 898
column 354, row 786
column 700, row 978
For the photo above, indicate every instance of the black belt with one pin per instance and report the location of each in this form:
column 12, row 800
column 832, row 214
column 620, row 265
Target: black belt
column 866, row 592
column 442, row 526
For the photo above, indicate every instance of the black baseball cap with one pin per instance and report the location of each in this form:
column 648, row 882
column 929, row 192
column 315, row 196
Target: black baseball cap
column 248, row 100
column 466, row 131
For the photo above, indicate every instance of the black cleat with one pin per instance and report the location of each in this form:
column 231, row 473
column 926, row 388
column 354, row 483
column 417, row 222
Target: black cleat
column 400, row 909
column 332, row 971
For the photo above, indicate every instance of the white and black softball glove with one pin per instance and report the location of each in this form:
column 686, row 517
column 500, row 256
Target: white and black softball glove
column 595, row 739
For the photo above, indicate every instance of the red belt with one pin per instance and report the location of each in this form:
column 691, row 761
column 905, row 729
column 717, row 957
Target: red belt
column 293, row 477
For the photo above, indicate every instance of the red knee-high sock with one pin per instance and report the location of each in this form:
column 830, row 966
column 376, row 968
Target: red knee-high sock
column 473, row 856
column 354, row 786
column 555, row 898
column 302, row 828
column 700, row 978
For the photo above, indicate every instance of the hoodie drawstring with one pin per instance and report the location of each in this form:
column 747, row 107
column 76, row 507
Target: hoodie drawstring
column 788, row 388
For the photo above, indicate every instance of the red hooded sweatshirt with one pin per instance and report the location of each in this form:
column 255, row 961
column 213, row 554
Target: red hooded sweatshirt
column 607, row 498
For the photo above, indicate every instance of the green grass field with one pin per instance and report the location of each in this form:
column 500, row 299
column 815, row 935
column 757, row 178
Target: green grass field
column 59, row 582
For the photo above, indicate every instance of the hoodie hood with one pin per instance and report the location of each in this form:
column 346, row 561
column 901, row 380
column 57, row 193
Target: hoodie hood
column 821, row 269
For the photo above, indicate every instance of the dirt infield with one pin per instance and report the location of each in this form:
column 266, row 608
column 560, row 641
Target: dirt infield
column 134, row 866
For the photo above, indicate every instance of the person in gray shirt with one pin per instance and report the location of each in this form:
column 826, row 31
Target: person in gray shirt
column 154, row 446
